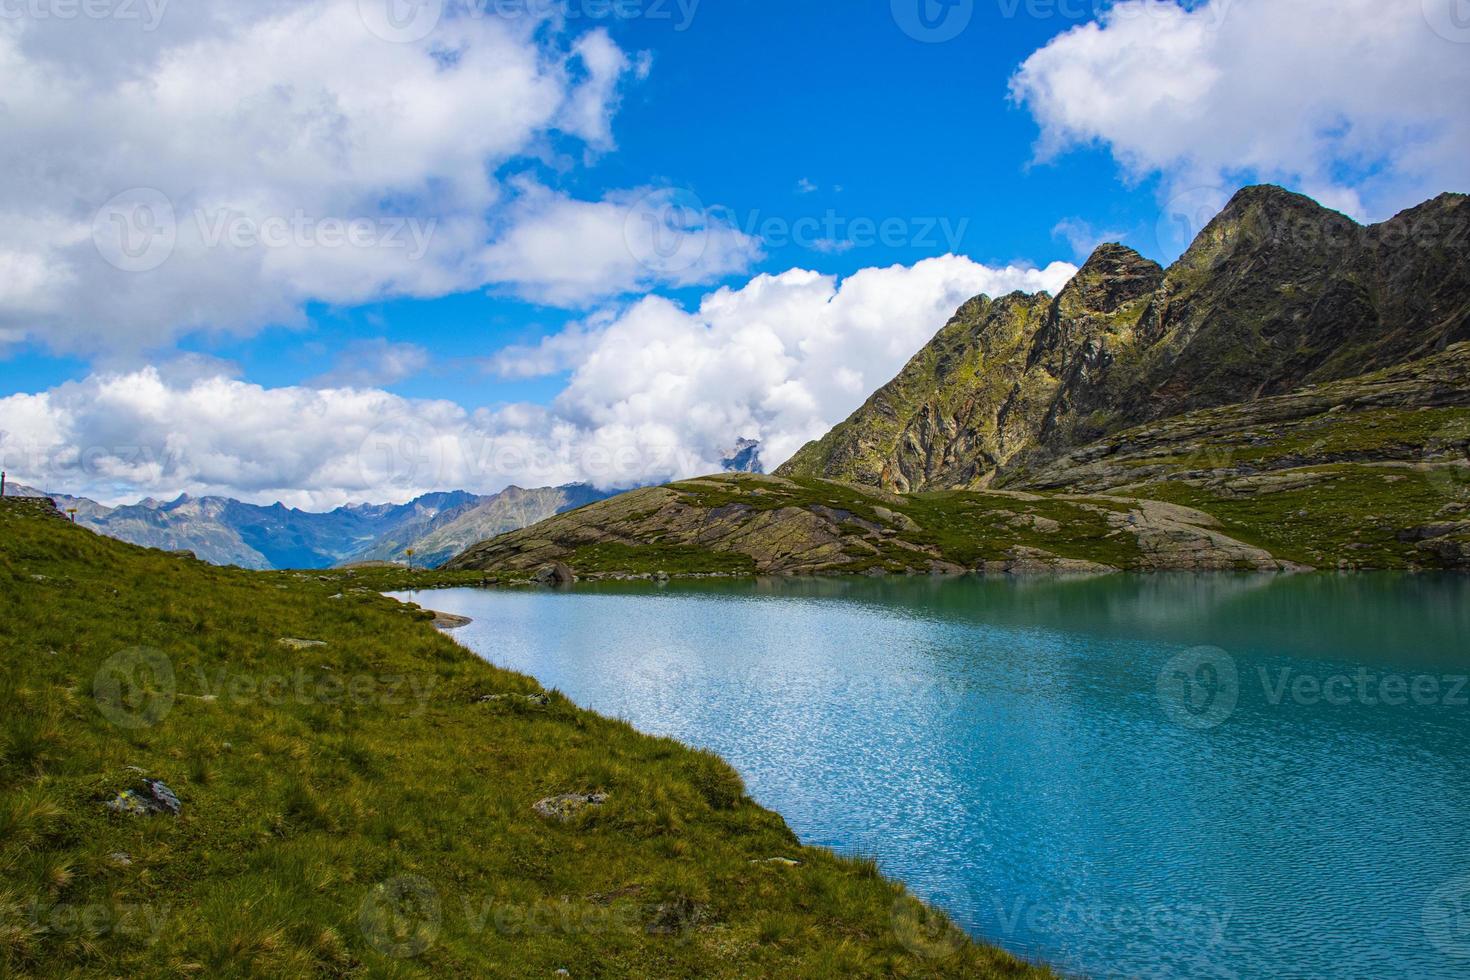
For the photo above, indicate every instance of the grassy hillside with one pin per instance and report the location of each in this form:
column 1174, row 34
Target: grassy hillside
column 746, row 524
column 1371, row 472
column 357, row 808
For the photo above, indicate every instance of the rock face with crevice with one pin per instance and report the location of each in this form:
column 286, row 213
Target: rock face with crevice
column 1275, row 293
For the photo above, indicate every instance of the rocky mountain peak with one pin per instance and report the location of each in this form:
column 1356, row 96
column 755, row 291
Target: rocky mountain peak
column 1267, row 220
column 1112, row 277
column 1275, row 292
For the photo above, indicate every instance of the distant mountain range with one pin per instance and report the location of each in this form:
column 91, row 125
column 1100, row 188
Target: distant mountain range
column 224, row 531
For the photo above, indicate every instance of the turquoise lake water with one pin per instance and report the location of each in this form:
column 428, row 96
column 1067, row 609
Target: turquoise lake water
column 1131, row 776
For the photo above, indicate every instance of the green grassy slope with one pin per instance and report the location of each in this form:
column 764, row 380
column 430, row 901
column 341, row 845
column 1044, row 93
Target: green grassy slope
column 747, row 524
column 356, row 809
column 1371, row 472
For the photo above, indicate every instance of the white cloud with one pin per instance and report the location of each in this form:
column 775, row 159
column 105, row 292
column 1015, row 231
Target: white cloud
column 567, row 252
column 656, row 392
column 781, row 359
column 244, row 159
column 1359, row 103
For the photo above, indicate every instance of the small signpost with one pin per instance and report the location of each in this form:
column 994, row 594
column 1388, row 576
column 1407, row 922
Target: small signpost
column 410, row 559
column 73, row 512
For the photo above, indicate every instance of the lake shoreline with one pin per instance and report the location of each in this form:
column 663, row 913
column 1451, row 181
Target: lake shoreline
column 726, row 665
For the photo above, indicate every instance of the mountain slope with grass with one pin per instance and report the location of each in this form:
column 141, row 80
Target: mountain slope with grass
column 1275, row 293
column 359, row 796
column 1368, row 472
column 742, row 525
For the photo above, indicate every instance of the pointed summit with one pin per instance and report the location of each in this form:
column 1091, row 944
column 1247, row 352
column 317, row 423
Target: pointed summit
column 1265, row 217
column 1112, row 277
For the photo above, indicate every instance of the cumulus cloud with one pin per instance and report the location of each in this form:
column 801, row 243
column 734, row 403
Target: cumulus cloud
column 1360, row 103
column 239, row 160
column 656, row 392
column 567, row 252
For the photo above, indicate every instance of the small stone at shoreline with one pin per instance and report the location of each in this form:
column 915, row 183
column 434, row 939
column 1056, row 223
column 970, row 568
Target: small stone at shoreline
column 450, row 621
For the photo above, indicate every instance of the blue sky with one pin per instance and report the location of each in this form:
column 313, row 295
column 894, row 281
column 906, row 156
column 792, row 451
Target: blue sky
column 818, row 114
column 745, row 104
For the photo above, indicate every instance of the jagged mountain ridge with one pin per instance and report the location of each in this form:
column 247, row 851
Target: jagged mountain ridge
column 509, row 510
column 1274, row 293
column 224, row 531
